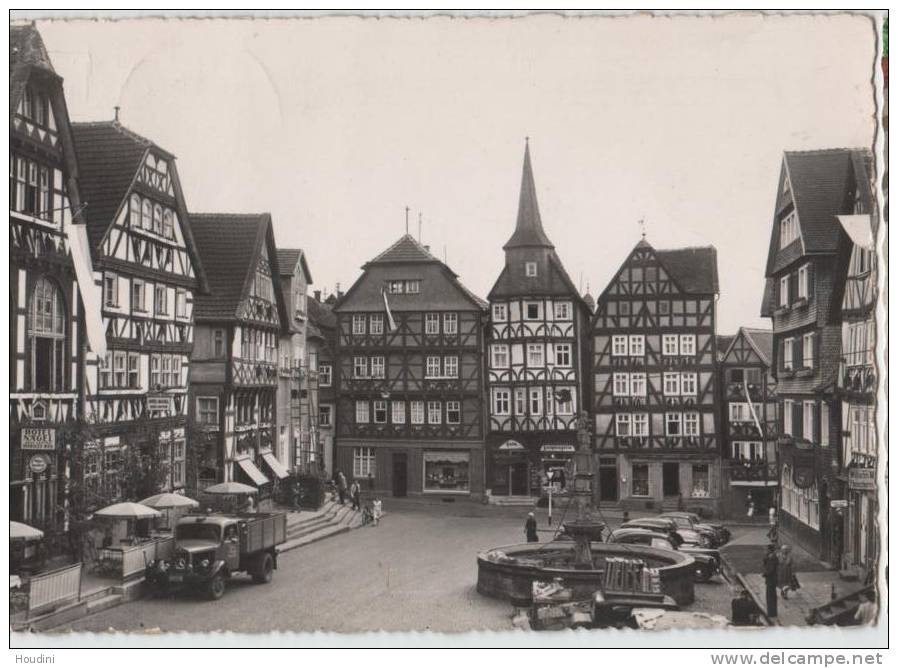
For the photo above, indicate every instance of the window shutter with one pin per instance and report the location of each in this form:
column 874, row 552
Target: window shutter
column 797, row 352
column 798, row 419
column 810, row 275
column 815, row 349
column 793, row 287
column 782, row 355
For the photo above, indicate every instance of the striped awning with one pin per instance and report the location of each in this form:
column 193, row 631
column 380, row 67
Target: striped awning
column 252, row 471
column 276, row 467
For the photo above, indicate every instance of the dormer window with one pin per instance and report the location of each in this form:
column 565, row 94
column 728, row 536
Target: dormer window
column 788, row 229
column 530, row 269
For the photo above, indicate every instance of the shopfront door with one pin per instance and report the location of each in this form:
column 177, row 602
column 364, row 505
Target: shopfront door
column 608, row 483
column 518, row 477
column 400, row 474
column 671, row 478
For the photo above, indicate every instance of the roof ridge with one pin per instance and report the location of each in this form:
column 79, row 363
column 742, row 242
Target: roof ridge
column 836, row 149
column 121, row 129
column 683, row 248
column 418, row 245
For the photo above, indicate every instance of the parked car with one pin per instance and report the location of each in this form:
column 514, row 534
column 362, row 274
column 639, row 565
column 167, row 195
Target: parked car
column 706, row 565
column 669, row 526
column 694, row 522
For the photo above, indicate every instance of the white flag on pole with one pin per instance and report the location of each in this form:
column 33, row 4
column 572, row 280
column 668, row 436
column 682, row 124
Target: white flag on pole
column 391, row 323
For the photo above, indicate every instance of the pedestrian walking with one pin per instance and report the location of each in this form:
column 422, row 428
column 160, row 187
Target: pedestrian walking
column 355, row 495
column 785, row 578
column 750, row 504
column 770, row 569
column 341, row 487
column 530, row 529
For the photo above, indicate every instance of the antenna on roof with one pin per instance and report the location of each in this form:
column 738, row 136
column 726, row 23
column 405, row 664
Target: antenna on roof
column 406, row 218
column 419, row 227
column 117, row 108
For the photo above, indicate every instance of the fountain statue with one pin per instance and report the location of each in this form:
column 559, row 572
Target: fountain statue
column 586, row 528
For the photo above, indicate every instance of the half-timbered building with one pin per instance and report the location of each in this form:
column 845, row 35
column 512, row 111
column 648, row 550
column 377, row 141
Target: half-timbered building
column 537, row 359
column 147, row 272
column 857, row 388
column 655, row 381
column 49, row 265
column 409, row 377
column 749, row 475
column 805, row 279
column 297, row 411
column 234, row 367
column 321, row 338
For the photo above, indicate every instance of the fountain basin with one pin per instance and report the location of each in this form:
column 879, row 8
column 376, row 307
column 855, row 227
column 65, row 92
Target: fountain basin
column 508, row 572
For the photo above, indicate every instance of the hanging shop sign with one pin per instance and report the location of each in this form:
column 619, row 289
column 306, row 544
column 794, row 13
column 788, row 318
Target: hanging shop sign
column 838, row 503
column 38, row 463
column 863, row 479
column 34, row 438
column 159, row 404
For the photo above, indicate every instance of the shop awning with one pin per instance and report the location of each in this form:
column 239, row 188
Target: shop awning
column 276, row 467
column 447, row 457
column 253, row 472
column 511, row 445
column 753, row 483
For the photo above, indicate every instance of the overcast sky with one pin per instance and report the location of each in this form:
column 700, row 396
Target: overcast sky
column 335, row 125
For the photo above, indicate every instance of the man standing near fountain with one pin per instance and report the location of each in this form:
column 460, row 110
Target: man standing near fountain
column 530, row 529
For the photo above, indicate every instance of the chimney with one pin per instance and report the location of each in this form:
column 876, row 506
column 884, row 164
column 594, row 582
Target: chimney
column 318, row 296
column 427, row 248
column 117, row 108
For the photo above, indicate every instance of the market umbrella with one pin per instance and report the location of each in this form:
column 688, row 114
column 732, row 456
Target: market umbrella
column 17, row 530
column 128, row 511
column 230, row 488
column 169, row 500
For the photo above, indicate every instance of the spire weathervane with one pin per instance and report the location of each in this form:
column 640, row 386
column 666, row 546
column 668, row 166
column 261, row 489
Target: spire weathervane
column 641, row 224
column 406, row 218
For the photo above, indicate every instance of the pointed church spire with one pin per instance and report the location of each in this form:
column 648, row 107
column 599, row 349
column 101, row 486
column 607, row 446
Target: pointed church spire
column 529, row 229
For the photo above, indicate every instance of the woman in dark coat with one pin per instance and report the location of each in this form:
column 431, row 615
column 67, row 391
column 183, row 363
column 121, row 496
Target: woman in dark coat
column 785, row 576
column 530, row 529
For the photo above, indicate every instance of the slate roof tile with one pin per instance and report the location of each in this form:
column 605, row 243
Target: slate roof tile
column 26, row 51
column 694, row 269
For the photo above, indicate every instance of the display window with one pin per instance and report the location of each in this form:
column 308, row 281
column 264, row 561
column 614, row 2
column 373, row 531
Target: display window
column 447, row 471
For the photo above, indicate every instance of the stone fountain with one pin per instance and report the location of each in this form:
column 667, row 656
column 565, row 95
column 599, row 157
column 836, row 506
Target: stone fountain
column 509, row 572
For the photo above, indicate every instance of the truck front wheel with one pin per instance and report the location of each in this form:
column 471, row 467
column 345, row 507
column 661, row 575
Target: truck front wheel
column 216, row 587
column 264, row 566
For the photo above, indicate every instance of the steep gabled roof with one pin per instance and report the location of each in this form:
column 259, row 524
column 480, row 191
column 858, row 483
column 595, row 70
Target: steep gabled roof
column 407, row 249
column 555, row 282
column 26, row 53
column 230, row 245
column 528, row 231
column 109, row 157
column 761, row 340
column 724, row 341
column 820, row 181
column 694, row 269
column 287, row 259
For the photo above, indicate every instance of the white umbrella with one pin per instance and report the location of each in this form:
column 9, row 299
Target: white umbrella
column 128, row 511
column 24, row 532
column 230, row 488
column 169, row 500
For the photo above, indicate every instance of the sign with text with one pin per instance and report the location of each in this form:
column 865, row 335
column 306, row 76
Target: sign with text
column 157, row 404
column 864, row 479
column 838, row 503
column 38, row 438
column 38, row 463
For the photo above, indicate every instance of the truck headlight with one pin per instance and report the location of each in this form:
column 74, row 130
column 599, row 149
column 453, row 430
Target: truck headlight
column 204, row 564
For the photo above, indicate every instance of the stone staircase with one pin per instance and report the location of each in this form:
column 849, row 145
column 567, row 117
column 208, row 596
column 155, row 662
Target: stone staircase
column 307, row 527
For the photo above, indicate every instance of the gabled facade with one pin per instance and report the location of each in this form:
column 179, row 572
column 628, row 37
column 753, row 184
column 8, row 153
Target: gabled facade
column 409, row 377
column 48, row 258
column 806, row 265
column 857, row 387
column 654, row 371
column 748, row 424
column 536, row 360
column 321, row 339
column 297, row 443
column 147, row 273
column 234, row 367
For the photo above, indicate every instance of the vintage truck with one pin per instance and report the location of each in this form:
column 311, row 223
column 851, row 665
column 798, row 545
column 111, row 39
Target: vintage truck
column 209, row 549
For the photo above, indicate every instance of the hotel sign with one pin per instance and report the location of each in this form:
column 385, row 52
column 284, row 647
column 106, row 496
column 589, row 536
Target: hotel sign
column 864, row 479
column 159, row 404
column 34, row 438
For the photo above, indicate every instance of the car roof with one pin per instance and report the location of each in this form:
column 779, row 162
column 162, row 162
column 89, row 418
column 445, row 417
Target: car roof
column 632, row 531
column 658, row 521
column 216, row 520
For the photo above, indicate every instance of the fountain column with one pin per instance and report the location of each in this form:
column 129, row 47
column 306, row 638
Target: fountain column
column 585, row 528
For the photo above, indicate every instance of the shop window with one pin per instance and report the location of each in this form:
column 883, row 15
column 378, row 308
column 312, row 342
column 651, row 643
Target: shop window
column 640, row 480
column 701, row 480
column 363, row 462
column 446, row 471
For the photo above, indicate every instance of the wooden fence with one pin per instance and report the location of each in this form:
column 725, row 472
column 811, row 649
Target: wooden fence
column 50, row 590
